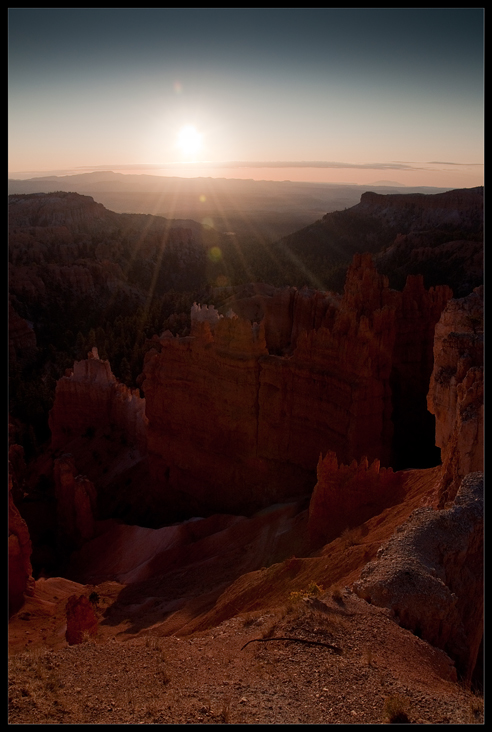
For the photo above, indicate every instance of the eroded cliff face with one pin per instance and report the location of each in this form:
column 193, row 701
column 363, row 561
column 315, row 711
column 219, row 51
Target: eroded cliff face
column 229, row 426
column 461, row 208
column 76, row 499
column 21, row 582
column 456, row 390
column 346, row 496
column 90, row 399
column 235, row 427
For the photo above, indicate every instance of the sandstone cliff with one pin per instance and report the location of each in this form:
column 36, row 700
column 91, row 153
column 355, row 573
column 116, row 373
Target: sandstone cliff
column 90, row 399
column 456, row 390
column 233, row 427
column 439, row 236
column 461, row 208
column 76, row 499
column 21, row 582
column 346, row 496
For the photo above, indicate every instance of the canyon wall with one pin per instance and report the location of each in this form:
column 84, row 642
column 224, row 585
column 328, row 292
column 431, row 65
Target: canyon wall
column 230, row 425
column 21, row 582
column 347, row 495
column 234, row 427
column 90, row 398
column 456, row 390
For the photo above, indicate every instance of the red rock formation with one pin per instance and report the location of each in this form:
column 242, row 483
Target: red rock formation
column 233, row 428
column 202, row 403
column 81, row 620
column 91, row 399
column 76, row 505
column 347, row 495
column 417, row 312
column 456, row 391
column 21, row 582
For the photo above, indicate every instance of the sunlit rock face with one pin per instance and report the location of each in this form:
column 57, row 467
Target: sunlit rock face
column 233, row 427
column 456, row 390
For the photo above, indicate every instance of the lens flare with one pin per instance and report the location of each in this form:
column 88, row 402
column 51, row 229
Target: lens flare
column 215, row 254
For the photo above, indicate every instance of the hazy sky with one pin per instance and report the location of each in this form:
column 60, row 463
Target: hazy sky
column 362, row 95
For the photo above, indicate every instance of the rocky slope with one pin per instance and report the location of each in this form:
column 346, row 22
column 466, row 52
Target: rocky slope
column 431, row 575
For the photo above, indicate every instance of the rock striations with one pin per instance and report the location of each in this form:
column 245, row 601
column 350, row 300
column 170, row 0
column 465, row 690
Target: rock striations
column 456, row 390
column 229, row 425
column 90, row 398
column 346, row 496
column 235, row 427
column 21, row 582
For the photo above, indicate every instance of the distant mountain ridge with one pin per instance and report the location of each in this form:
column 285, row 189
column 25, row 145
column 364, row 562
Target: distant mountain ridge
column 383, row 224
column 270, row 209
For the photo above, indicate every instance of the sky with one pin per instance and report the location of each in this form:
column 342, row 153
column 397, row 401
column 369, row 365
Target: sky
column 354, row 95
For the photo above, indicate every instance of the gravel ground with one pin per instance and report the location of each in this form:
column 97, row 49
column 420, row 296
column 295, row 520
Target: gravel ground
column 212, row 677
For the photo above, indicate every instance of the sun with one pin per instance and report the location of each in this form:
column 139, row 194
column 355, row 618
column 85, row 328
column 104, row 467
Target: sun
column 189, row 140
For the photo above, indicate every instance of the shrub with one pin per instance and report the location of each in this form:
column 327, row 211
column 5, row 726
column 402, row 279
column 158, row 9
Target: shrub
column 336, row 594
column 396, row 710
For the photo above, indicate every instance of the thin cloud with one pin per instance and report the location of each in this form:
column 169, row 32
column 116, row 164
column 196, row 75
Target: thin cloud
column 257, row 164
column 439, row 162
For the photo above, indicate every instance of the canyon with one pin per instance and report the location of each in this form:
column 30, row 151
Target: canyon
column 291, row 438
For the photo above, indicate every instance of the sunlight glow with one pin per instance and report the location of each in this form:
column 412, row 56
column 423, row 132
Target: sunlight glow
column 189, row 140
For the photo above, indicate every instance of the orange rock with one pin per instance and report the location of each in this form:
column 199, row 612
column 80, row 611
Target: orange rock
column 456, row 391
column 81, row 620
column 21, row 582
column 76, row 504
column 230, row 425
column 233, row 427
column 347, row 495
column 91, row 398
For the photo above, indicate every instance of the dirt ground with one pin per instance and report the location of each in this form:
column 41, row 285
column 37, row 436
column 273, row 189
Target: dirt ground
column 338, row 660
column 287, row 643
